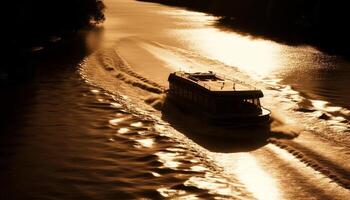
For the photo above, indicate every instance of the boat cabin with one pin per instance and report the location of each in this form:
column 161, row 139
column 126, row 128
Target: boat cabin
column 214, row 94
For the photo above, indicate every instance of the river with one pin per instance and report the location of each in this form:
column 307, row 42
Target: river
column 89, row 127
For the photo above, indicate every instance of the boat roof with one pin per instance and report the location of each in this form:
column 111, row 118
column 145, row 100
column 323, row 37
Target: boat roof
column 218, row 84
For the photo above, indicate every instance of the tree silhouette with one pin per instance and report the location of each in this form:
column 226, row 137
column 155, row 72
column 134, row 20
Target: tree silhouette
column 27, row 21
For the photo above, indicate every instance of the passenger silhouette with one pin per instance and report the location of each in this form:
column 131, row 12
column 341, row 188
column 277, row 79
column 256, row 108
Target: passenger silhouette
column 223, row 85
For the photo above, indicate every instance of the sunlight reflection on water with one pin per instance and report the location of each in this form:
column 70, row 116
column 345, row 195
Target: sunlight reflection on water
column 247, row 169
column 148, row 143
column 258, row 56
column 169, row 159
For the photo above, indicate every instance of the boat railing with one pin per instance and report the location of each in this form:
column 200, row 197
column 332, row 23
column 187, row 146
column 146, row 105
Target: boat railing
column 182, row 74
column 235, row 80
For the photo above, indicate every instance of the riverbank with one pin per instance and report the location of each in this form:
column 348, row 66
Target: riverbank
column 41, row 82
column 21, row 63
column 37, row 28
column 27, row 68
column 291, row 22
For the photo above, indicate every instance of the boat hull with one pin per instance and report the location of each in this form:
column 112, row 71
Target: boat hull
column 241, row 119
column 232, row 119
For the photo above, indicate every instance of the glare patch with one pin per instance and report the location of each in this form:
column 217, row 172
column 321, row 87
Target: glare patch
column 148, row 143
column 190, row 16
column 116, row 105
column 175, row 149
column 198, row 168
column 123, row 130
column 137, row 124
column 169, row 159
column 236, row 50
column 116, row 121
column 322, row 105
column 247, row 170
column 155, row 174
column 213, row 185
column 95, row 91
column 159, row 127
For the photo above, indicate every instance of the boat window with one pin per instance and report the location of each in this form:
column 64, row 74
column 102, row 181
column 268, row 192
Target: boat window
column 248, row 101
column 257, row 102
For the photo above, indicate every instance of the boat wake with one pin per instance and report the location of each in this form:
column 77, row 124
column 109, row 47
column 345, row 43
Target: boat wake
column 146, row 98
column 140, row 106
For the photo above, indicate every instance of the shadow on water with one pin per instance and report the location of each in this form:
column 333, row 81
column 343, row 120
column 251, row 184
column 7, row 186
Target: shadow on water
column 31, row 86
column 219, row 138
column 21, row 63
column 29, row 67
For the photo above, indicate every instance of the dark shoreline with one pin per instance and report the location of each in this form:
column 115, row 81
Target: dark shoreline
column 22, row 62
column 33, row 28
column 328, row 37
column 21, row 83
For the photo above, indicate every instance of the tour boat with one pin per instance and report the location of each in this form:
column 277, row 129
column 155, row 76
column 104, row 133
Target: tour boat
column 221, row 100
